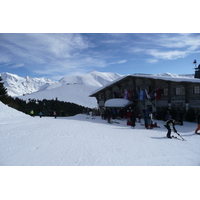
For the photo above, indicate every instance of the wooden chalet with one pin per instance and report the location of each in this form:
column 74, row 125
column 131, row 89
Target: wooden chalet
column 152, row 92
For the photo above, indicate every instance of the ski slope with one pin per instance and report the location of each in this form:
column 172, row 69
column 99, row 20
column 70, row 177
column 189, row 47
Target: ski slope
column 87, row 141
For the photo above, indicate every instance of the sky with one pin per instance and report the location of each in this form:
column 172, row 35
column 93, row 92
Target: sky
column 130, row 39
column 55, row 55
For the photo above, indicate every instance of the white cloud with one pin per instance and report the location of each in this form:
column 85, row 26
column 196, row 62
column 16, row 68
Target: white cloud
column 4, row 58
column 114, row 41
column 188, row 41
column 151, row 60
column 122, row 61
column 167, row 55
column 18, row 65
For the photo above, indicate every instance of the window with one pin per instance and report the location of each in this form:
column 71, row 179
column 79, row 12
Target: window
column 180, row 91
column 165, row 92
column 101, row 96
column 196, row 89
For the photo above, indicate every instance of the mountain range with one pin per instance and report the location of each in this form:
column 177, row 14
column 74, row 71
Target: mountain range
column 18, row 86
column 75, row 89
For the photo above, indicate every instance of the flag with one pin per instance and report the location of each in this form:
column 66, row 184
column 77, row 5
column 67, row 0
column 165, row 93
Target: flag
column 157, row 94
column 148, row 96
column 141, row 95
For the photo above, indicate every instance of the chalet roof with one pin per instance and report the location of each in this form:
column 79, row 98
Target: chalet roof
column 166, row 77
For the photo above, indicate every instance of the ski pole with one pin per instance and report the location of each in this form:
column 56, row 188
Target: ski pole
column 180, row 136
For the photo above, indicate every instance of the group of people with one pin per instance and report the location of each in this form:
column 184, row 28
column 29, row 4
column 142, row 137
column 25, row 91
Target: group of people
column 131, row 117
column 32, row 113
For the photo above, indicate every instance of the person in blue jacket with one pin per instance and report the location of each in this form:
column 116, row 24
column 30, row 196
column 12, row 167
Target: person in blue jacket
column 40, row 114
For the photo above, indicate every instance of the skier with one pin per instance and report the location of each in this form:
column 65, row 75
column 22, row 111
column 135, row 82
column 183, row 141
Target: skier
column 170, row 124
column 32, row 113
column 40, row 114
column 55, row 114
column 198, row 121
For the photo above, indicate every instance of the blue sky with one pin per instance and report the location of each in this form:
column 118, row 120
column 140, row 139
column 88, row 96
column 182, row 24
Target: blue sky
column 63, row 54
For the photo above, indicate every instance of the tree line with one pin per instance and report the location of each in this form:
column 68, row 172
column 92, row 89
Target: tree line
column 47, row 107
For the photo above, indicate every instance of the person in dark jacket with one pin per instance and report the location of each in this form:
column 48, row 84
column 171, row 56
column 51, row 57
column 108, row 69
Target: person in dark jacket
column 170, row 124
column 132, row 118
column 198, row 121
column 108, row 114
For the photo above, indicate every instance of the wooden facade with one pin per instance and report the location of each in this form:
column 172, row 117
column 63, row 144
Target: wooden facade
column 178, row 93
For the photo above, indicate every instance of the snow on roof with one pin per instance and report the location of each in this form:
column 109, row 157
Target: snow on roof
column 169, row 77
column 162, row 76
column 119, row 103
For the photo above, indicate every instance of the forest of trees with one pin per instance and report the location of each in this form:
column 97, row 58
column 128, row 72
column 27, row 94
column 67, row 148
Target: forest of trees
column 47, row 107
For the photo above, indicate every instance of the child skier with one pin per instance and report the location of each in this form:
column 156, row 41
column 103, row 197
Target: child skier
column 170, row 124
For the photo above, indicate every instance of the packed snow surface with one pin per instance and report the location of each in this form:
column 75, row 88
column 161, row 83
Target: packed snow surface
column 84, row 140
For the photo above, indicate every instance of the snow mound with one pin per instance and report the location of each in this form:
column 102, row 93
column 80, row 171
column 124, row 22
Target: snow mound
column 8, row 112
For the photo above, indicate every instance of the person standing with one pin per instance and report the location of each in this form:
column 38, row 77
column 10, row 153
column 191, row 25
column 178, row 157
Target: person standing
column 32, row 113
column 133, row 119
column 145, row 116
column 198, row 121
column 170, row 124
column 55, row 114
column 108, row 114
column 40, row 114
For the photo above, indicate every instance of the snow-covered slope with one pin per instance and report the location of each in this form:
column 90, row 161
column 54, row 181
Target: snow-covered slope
column 8, row 113
column 75, row 89
column 94, row 78
column 17, row 86
column 87, row 141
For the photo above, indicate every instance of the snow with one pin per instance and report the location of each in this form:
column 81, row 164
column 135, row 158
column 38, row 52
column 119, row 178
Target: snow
column 89, row 141
column 17, row 86
column 84, row 141
column 118, row 103
column 78, row 94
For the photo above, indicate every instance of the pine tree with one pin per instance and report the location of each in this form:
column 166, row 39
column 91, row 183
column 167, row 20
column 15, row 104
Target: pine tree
column 3, row 91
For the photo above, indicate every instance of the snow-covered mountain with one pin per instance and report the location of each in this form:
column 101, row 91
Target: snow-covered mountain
column 18, row 86
column 75, row 89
